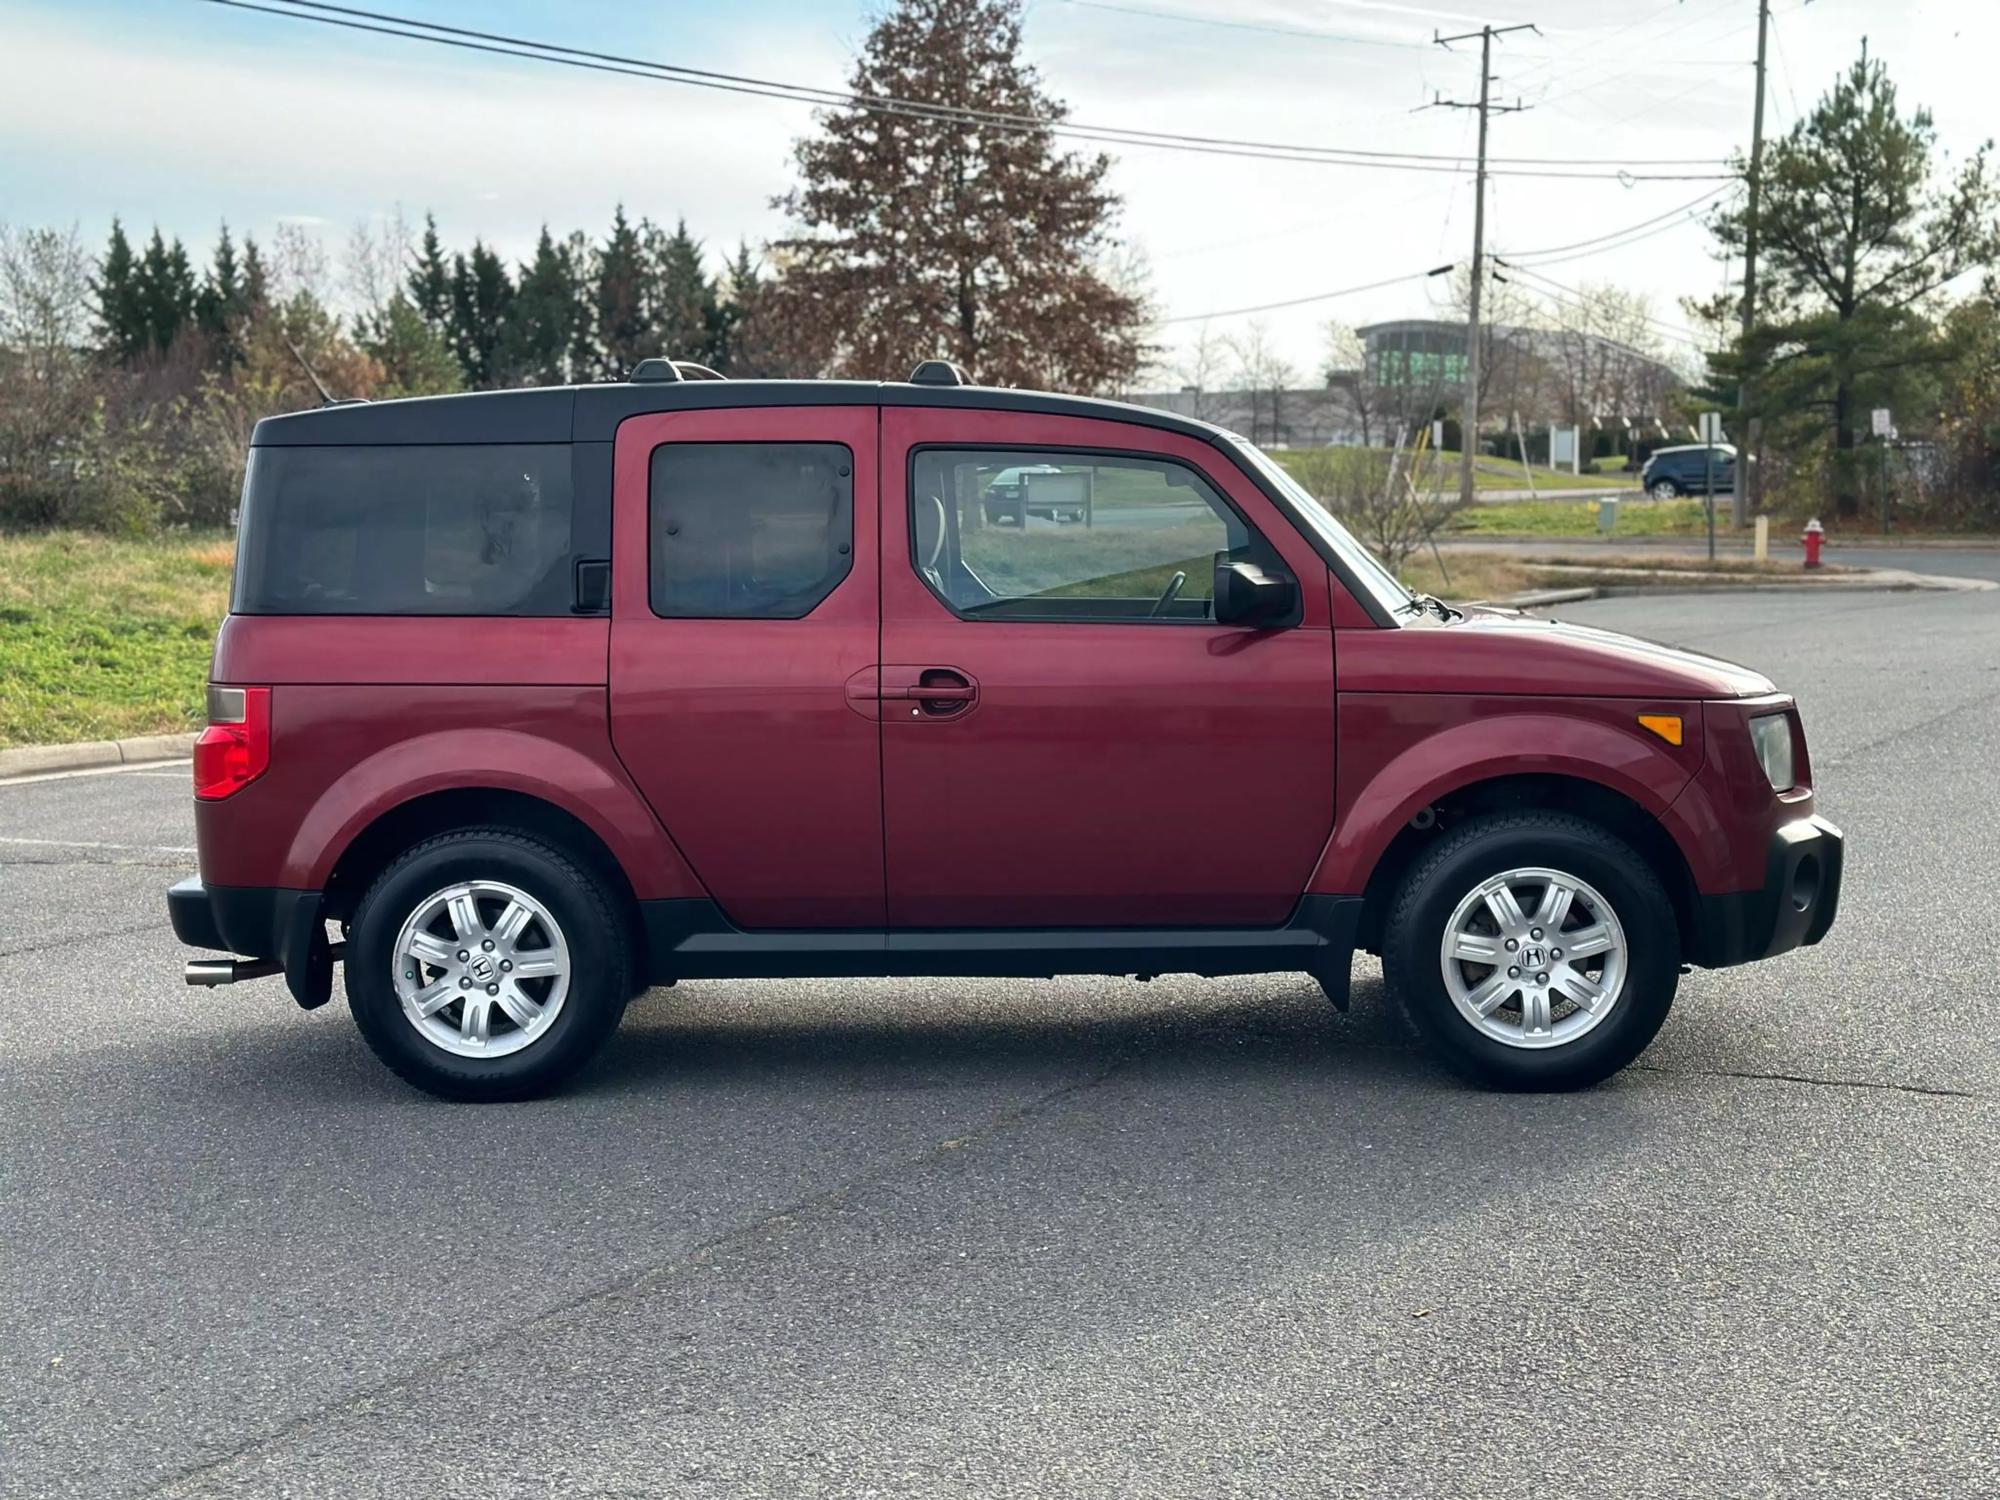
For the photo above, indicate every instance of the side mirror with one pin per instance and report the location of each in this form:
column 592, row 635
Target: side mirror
column 1247, row 595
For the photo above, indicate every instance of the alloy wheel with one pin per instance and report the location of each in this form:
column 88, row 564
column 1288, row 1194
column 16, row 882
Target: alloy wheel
column 1534, row 957
column 481, row 968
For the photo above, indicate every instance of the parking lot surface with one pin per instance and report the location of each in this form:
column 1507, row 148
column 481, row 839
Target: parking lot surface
column 1077, row 1237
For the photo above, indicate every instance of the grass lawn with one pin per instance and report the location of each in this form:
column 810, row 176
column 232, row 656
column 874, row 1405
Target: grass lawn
column 1557, row 518
column 1487, row 473
column 100, row 639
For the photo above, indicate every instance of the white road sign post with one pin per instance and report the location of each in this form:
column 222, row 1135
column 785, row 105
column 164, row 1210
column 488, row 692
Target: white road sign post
column 1711, row 434
column 1883, row 425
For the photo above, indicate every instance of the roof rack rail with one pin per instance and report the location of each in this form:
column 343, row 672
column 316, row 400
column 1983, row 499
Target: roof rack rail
column 661, row 369
column 939, row 372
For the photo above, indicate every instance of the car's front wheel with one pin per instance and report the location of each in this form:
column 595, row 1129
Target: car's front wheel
column 484, row 964
column 1664, row 489
column 1533, row 950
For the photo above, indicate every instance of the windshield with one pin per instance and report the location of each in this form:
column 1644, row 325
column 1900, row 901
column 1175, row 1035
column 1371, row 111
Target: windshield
column 1365, row 568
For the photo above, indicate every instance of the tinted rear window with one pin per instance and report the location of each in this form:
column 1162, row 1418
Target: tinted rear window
column 407, row 530
column 749, row 531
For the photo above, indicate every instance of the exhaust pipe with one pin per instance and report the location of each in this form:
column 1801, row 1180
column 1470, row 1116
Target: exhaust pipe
column 210, row 972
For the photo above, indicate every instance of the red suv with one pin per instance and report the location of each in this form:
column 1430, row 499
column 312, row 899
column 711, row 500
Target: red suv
column 538, row 698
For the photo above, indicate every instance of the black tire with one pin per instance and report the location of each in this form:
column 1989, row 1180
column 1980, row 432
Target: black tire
column 1484, row 847
column 1671, row 486
column 600, row 969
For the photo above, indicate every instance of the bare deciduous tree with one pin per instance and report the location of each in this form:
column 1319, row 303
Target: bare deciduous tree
column 1201, row 370
column 46, row 398
column 377, row 260
column 1264, row 373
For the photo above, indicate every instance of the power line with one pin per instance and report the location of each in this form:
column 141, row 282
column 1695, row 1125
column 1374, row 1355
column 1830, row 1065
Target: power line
column 384, row 24
column 1671, row 219
column 1592, row 84
column 1571, row 297
column 1346, row 291
column 1548, row 65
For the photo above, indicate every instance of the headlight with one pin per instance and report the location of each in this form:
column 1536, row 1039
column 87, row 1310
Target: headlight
column 1772, row 735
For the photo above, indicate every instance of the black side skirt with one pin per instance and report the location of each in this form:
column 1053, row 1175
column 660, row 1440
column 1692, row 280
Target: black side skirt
column 694, row 940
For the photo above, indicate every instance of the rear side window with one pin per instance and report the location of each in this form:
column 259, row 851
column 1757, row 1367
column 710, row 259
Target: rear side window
column 748, row 531
column 406, row 530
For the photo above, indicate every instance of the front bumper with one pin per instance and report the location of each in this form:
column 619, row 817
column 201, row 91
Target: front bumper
column 1794, row 908
column 259, row 922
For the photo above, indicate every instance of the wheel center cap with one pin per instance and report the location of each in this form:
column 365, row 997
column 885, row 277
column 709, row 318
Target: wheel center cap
column 482, row 968
column 1533, row 956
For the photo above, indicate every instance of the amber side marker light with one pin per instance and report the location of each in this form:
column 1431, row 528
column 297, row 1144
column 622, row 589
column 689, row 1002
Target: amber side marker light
column 1666, row 726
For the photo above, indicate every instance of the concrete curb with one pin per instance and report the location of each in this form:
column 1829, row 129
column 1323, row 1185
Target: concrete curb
column 30, row 760
column 1536, row 598
column 1670, row 581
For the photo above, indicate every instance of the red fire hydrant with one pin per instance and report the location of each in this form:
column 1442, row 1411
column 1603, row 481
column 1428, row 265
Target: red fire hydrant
column 1812, row 536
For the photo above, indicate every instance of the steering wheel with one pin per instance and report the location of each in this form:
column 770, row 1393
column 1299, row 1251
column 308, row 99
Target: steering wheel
column 1170, row 593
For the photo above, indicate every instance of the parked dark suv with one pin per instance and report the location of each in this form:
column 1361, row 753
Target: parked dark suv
column 530, row 700
column 1671, row 472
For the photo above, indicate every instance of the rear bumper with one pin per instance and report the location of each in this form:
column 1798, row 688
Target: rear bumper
column 1794, row 908
column 259, row 922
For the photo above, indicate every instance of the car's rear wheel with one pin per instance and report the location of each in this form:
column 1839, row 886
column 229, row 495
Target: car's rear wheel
column 1533, row 950
column 1664, row 489
column 484, row 964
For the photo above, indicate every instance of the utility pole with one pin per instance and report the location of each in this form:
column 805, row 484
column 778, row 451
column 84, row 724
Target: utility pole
column 1468, row 437
column 1748, row 497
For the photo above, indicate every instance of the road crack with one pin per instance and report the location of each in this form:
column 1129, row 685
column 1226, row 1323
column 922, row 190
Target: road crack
column 1810, row 1081
column 635, row 1285
column 82, row 937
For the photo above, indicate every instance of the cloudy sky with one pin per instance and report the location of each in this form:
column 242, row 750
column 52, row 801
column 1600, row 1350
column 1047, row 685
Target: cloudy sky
column 183, row 113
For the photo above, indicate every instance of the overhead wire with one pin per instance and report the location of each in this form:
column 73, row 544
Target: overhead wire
column 1264, row 307
column 1569, row 296
column 1615, row 234
column 464, row 38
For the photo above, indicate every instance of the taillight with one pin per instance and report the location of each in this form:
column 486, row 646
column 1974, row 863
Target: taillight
column 235, row 749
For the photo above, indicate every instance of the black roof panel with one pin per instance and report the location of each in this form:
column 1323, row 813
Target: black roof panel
column 543, row 415
column 591, row 413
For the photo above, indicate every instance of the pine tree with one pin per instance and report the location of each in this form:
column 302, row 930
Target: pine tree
column 430, row 279
column 583, row 272
column 120, row 315
column 742, row 345
column 481, row 298
column 542, row 331
column 1858, row 236
column 623, row 301
column 256, row 280
column 415, row 359
column 945, row 236
column 165, row 293
column 221, row 305
column 684, row 310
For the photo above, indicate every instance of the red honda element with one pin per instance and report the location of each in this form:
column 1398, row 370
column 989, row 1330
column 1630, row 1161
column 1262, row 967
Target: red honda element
column 540, row 698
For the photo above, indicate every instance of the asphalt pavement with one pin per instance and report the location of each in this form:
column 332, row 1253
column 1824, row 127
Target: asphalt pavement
column 1068, row 1238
